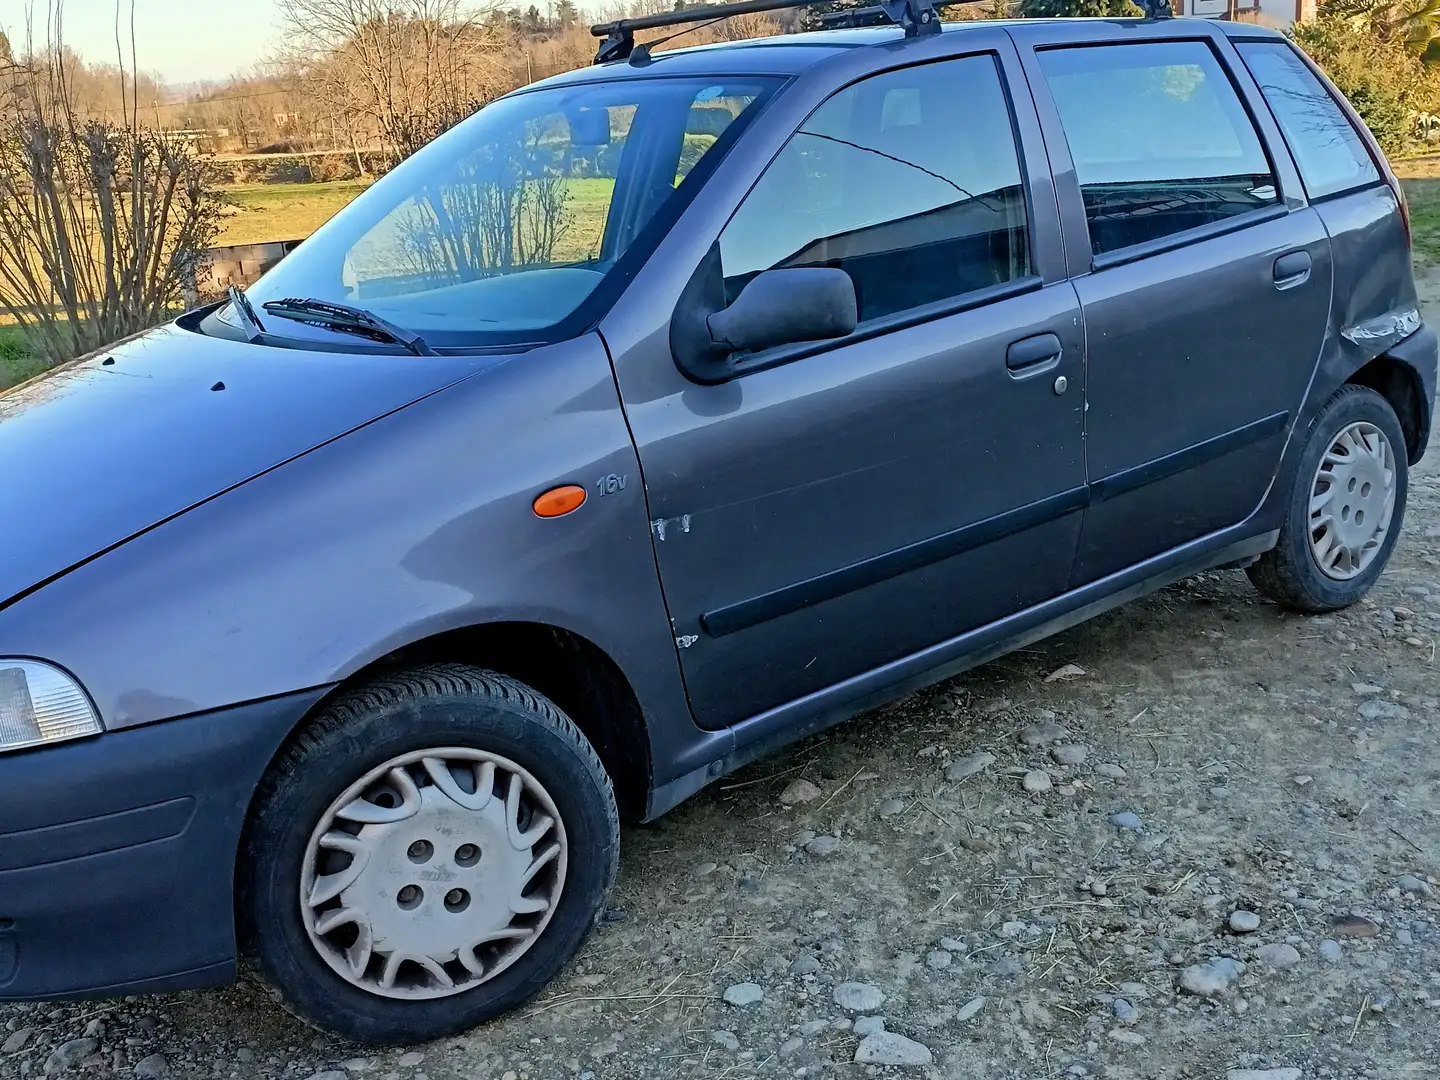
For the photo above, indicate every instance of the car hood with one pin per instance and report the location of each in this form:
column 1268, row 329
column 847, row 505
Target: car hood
column 97, row 451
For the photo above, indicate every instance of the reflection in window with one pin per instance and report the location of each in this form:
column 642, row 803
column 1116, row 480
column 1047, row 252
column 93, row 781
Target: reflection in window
column 909, row 181
column 1327, row 149
column 1160, row 141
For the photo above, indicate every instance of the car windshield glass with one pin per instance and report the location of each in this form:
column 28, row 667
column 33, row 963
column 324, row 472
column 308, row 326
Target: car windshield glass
column 509, row 227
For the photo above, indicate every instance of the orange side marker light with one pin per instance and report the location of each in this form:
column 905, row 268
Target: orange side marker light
column 559, row 501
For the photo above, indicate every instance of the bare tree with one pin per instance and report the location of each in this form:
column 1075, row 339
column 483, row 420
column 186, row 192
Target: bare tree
column 410, row 68
column 101, row 223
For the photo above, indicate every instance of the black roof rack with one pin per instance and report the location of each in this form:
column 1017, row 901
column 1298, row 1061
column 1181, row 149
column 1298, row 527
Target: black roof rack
column 917, row 17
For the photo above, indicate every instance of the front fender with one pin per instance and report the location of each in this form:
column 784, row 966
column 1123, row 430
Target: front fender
column 417, row 523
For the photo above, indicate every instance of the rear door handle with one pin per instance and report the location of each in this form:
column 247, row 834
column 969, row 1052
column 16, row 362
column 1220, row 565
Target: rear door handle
column 1032, row 355
column 1292, row 269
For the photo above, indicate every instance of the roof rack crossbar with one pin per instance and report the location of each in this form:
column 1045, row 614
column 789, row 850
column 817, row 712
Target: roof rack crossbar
column 916, row 16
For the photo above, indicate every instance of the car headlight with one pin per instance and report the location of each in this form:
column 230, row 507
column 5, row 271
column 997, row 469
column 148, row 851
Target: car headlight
column 41, row 704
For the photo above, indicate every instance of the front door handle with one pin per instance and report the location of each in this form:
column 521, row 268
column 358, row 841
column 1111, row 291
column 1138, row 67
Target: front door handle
column 1032, row 355
column 1292, row 269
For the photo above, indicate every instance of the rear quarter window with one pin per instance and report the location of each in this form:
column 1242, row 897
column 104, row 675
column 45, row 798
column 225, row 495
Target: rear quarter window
column 1328, row 150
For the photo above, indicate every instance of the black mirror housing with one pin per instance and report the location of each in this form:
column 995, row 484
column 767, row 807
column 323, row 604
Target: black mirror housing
column 785, row 307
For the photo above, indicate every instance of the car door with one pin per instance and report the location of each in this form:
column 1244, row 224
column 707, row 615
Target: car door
column 1203, row 276
column 820, row 511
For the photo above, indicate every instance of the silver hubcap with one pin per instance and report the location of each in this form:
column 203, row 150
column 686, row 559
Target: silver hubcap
column 1352, row 501
column 433, row 873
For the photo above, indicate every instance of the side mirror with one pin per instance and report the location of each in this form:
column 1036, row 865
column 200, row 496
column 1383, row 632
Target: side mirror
column 589, row 127
column 783, row 307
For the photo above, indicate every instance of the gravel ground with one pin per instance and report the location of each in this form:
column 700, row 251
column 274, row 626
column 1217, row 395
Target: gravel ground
column 1196, row 837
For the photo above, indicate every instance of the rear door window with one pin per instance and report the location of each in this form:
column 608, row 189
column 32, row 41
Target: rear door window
column 1327, row 149
column 1160, row 140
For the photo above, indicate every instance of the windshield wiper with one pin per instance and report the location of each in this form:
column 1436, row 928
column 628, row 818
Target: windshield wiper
column 350, row 320
column 250, row 322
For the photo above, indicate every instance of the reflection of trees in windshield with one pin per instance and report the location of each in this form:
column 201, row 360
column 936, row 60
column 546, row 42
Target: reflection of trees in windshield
column 505, row 207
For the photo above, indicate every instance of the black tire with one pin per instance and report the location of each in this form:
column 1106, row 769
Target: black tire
column 1289, row 573
column 440, row 706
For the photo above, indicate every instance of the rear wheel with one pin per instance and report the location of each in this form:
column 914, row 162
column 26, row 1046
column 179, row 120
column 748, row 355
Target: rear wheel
column 426, row 855
column 1345, row 506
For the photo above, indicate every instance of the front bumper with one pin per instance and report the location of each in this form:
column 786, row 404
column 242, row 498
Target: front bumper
column 117, row 853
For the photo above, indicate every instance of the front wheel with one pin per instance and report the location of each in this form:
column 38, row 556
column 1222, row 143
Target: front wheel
column 1345, row 507
column 425, row 856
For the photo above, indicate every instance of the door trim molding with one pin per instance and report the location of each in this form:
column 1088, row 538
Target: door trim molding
column 1107, row 487
column 878, row 568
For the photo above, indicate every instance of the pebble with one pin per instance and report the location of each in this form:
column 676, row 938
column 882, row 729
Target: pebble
column 69, row 1054
column 869, row 1025
column 95, row 1029
column 887, row 1048
column 1323, row 862
column 814, row 1027
column 1126, row 820
column 1374, row 709
column 1366, row 689
column 858, row 997
column 952, row 944
column 323, row 1074
column 823, row 845
column 155, row 1067
column 890, row 807
column 937, row 959
column 743, row 994
column 245, row 1055
column 969, row 766
column 1263, row 1074
column 969, row 1009
column 1244, row 922
column 1279, row 956
column 1212, row 979
column 17, row 1040
column 410, row 1060
column 1125, row 1012
column 725, row 1039
column 1354, row 926
column 1070, row 753
column 1127, row 1038
column 1330, row 950
column 1036, row 781
column 790, row 1046
column 1043, row 734
column 1415, row 886
column 705, row 869
column 1110, row 770
column 1099, row 888
column 805, row 964
column 799, row 791
column 1404, row 937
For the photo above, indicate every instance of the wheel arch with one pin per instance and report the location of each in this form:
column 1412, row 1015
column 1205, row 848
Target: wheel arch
column 1399, row 384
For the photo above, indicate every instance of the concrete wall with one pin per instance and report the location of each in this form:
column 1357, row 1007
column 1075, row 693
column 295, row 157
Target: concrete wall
column 239, row 264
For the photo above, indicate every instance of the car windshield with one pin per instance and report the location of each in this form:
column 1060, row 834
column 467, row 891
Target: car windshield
column 509, row 227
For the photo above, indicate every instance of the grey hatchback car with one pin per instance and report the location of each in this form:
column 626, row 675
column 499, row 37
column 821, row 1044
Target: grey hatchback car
column 660, row 414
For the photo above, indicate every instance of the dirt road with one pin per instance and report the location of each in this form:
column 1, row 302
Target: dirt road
column 1046, row 868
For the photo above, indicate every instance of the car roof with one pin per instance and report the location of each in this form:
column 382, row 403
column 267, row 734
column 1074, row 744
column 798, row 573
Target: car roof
column 790, row 54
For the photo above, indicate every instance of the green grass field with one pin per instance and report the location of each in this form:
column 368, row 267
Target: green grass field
column 260, row 213
column 17, row 362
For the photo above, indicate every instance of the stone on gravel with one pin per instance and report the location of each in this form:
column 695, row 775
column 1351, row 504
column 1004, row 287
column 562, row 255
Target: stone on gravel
column 938, row 959
column 725, row 1040
column 1214, row 978
column 790, row 1046
column 969, row 1009
column 155, row 1067
column 1126, row 820
column 1127, row 1038
column 1070, row 753
column 95, row 1029
column 869, row 1025
column 813, row 1027
column 323, row 1074
column 1244, row 922
column 1374, row 709
column 1125, row 1012
column 887, row 1048
column 1353, row 926
column 743, row 994
column 799, row 791
column 968, row 766
column 1279, row 956
column 410, row 1060
column 1036, row 781
column 17, row 1040
column 1043, row 733
column 1263, row 1074
column 1110, row 770
column 805, row 964
column 1413, row 885
column 858, row 997
column 69, row 1054
column 1330, row 950
column 890, row 807
column 823, row 845
column 1366, row 689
